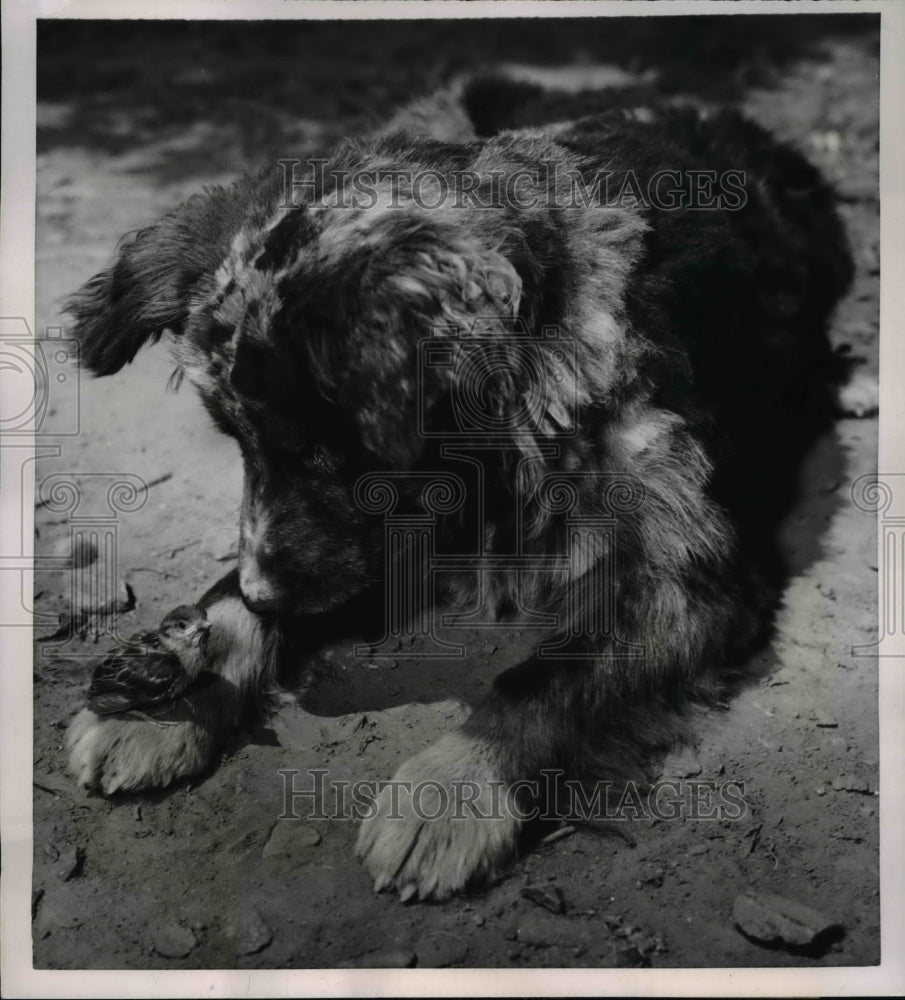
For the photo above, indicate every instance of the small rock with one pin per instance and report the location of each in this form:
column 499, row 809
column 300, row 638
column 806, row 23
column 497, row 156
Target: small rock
column 488, row 649
column 440, row 950
column 58, row 912
column 70, row 863
column 627, row 956
column 289, row 838
column 79, row 552
column 824, row 720
column 821, row 789
column 251, row 934
column 851, row 783
column 550, row 899
column 372, row 665
column 478, row 920
column 699, row 849
column 173, row 940
column 772, row 920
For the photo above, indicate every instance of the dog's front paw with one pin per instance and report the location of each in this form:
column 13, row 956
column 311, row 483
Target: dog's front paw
column 134, row 754
column 443, row 823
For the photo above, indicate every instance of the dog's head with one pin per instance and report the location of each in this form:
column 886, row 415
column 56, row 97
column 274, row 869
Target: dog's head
column 337, row 338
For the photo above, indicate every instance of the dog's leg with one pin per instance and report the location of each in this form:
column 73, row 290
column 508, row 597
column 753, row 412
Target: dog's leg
column 453, row 813
column 131, row 753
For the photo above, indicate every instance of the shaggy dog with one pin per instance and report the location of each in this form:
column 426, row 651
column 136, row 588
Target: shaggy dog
column 610, row 334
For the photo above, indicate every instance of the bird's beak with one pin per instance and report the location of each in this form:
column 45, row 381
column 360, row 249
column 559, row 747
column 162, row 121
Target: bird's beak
column 202, row 627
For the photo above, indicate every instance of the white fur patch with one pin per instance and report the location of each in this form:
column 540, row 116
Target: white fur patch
column 860, row 396
column 127, row 754
column 574, row 79
column 425, row 841
column 240, row 644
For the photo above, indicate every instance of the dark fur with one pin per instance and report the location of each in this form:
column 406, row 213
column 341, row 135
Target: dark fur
column 703, row 371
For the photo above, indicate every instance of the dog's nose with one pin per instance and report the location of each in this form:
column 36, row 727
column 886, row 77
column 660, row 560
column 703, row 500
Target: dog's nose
column 263, row 607
column 258, row 593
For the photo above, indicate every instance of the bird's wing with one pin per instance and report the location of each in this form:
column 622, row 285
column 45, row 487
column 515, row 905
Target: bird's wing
column 135, row 647
column 124, row 682
column 147, row 637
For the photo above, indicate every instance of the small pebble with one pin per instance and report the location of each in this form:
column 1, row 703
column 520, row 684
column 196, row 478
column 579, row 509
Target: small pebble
column 70, row 863
column 288, row 838
column 550, row 899
column 851, row 783
column 772, row 920
column 252, row 934
column 80, row 551
column 627, row 956
column 440, row 950
column 173, row 940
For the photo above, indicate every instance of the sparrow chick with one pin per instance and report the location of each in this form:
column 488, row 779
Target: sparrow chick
column 130, row 677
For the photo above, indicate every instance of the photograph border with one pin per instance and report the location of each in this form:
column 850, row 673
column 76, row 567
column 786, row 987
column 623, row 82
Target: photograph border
column 17, row 287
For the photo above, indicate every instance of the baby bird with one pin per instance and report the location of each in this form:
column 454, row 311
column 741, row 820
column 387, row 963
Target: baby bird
column 123, row 682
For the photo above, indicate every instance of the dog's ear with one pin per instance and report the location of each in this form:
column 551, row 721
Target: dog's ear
column 146, row 290
column 430, row 279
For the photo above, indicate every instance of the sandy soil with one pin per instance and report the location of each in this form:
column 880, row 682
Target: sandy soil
column 207, row 876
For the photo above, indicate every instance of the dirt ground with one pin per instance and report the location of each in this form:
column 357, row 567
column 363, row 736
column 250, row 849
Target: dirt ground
column 206, row 875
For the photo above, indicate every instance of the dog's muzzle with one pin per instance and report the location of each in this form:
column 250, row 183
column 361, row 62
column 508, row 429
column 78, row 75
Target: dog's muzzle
column 258, row 592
